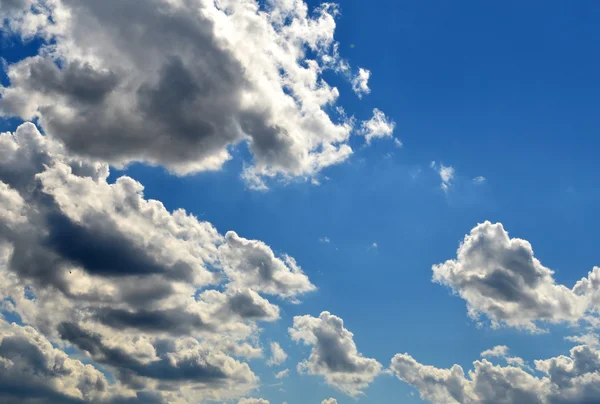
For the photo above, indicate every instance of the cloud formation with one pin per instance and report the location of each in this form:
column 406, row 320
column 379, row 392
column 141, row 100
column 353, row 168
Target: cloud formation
column 164, row 302
column 178, row 83
column 446, row 174
column 566, row 380
column 278, row 355
column 499, row 277
column 379, row 126
column 253, row 401
column 360, row 82
column 334, row 354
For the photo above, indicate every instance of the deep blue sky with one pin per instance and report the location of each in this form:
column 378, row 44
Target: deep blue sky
column 506, row 90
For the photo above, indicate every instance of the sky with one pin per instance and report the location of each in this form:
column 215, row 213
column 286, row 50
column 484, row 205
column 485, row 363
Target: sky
column 283, row 201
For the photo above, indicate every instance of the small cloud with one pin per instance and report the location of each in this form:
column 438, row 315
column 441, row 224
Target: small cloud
column 398, row 143
column 498, row 351
column 360, row 83
column 479, row 180
column 283, row 374
column 278, row 355
column 377, row 127
column 446, row 174
column 325, row 240
column 374, row 245
column 586, row 339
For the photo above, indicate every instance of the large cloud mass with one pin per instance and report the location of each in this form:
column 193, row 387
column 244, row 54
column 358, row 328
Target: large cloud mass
column 163, row 301
column 176, row 83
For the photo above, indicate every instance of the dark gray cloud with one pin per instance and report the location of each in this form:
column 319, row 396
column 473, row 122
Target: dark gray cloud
column 173, row 321
column 101, row 249
column 195, row 368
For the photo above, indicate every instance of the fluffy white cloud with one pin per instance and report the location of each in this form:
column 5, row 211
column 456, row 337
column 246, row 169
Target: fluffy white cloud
column 334, row 354
column 283, row 374
column 177, row 83
column 379, row 126
column 499, row 277
column 278, row 355
column 329, row 401
column 160, row 299
column 566, row 380
column 360, row 82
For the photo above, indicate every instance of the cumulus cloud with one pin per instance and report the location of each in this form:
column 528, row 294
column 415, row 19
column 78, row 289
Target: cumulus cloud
column 178, row 83
column 164, row 302
column 251, row 263
column 379, row 126
column 360, row 82
column 479, row 180
column 278, row 355
column 329, row 401
column 334, row 354
column 566, row 379
column 283, row 374
column 499, row 277
column 32, row 369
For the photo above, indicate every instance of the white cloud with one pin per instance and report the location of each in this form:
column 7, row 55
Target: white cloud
column 278, row 355
column 251, row 263
column 253, row 401
column 329, row 401
column 398, row 143
column 585, row 339
column 573, row 379
column 178, row 83
column 360, row 83
column 479, row 180
column 324, row 240
column 446, row 174
column 499, row 277
column 379, row 126
column 334, row 354
column 283, row 374
column 497, row 351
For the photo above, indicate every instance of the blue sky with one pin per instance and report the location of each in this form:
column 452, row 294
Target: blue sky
column 505, row 91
